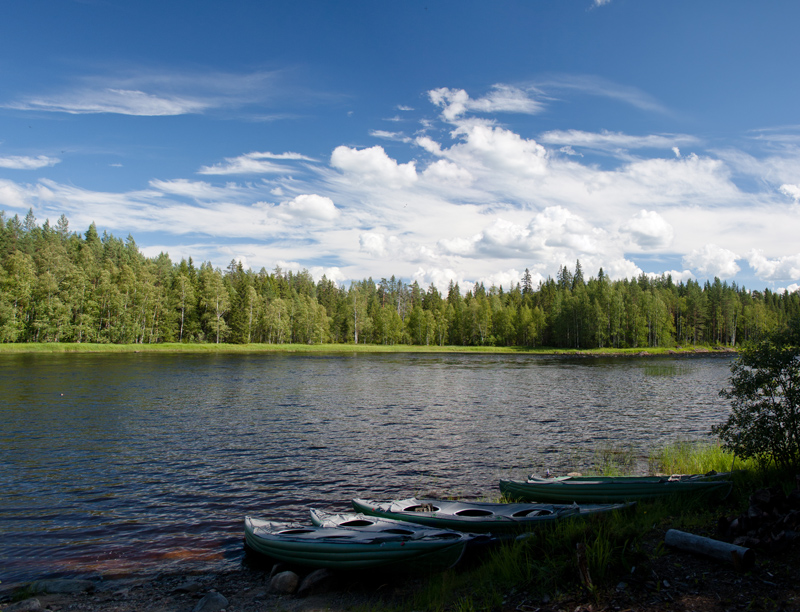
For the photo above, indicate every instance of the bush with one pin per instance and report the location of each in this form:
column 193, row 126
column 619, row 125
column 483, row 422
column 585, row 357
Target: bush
column 765, row 396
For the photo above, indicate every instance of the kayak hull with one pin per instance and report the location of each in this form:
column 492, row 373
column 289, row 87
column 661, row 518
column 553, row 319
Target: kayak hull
column 604, row 490
column 346, row 549
column 477, row 517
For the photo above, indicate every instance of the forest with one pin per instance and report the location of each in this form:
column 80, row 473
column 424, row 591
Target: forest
column 57, row 285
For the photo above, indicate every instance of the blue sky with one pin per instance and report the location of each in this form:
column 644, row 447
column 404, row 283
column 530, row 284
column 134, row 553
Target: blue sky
column 430, row 140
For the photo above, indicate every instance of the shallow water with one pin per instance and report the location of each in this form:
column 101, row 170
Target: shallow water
column 140, row 462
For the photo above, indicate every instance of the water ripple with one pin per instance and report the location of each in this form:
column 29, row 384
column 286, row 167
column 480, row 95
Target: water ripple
column 130, row 463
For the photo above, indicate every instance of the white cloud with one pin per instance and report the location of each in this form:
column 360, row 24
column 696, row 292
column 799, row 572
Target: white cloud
column 779, row 269
column 497, row 148
column 648, row 230
column 678, row 276
column 550, row 235
column 310, row 206
column 373, row 244
column 111, row 100
column 12, row 195
column 793, row 191
column 199, row 190
column 616, row 140
column 373, row 165
column 385, row 135
column 502, row 98
column 430, row 145
column 141, row 92
column 621, row 268
column 460, row 246
column 713, row 260
column 254, row 163
column 20, row 162
column 447, row 172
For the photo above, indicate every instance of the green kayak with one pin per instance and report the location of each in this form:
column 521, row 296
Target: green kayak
column 384, row 546
column 477, row 517
column 607, row 489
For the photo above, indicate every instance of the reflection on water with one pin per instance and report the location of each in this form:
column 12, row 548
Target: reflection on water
column 119, row 463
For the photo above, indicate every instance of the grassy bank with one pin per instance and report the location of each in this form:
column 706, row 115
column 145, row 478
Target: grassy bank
column 543, row 567
column 59, row 347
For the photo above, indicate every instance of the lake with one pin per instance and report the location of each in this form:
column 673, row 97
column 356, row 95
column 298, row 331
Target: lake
column 119, row 463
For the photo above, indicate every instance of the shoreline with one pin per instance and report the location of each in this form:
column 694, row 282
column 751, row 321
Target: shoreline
column 32, row 348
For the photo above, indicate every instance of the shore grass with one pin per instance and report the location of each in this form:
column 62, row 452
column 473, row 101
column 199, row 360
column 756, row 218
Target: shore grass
column 543, row 565
column 175, row 347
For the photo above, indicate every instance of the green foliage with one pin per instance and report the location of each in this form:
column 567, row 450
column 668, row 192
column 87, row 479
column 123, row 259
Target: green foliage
column 63, row 286
column 765, row 397
column 612, row 460
column 685, row 457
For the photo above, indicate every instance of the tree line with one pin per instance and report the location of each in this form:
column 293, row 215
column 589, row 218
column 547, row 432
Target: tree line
column 57, row 285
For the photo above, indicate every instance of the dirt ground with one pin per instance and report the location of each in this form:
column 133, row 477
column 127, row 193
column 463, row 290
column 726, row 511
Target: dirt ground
column 680, row 581
column 670, row 580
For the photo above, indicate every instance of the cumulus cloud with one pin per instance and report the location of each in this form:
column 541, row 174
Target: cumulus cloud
column 713, row 260
column 502, row 98
column 21, row 162
column 447, row 172
column 12, row 196
column 678, row 276
column 793, row 191
column 377, row 244
column 497, row 148
column 310, row 206
column 546, row 236
column 254, row 163
column 373, row 165
column 649, row 230
column 778, row 269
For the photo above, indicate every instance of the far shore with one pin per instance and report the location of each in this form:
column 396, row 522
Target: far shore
column 198, row 348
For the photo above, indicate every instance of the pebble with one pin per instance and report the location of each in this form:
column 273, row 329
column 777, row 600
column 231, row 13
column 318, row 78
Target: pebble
column 316, row 582
column 27, row 605
column 284, row 582
column 213, row 602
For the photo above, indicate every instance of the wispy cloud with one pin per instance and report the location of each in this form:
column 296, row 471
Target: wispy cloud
column 22, row 162
column 150, row 94
column 598, row 86
column 110, row 100
column 254, row 163
column 385, row 135
column 615, row 140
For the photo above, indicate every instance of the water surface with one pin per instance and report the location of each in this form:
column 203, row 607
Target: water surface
column 143, row 462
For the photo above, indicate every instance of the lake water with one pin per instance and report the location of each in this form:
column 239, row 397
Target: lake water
column 112, row 464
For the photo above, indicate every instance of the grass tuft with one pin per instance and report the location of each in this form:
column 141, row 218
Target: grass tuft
column 544, row 564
